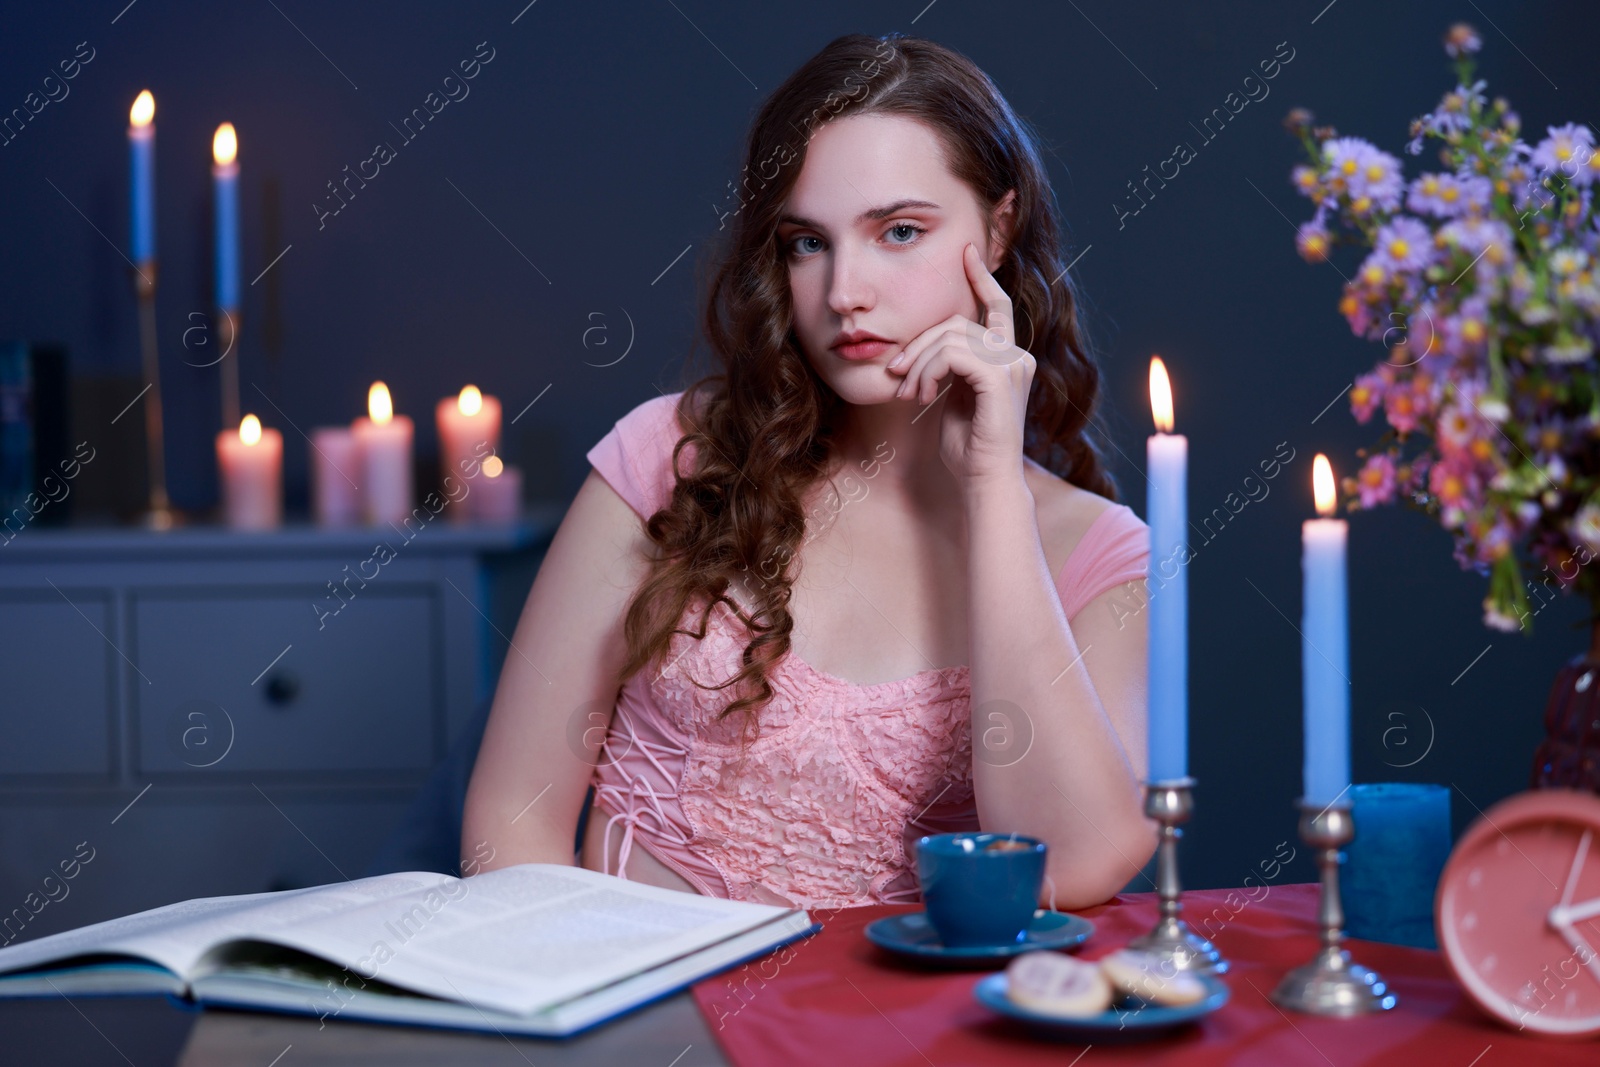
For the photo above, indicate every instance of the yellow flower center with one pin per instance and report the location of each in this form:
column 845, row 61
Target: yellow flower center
column 1349, row 166
column 1398, row 247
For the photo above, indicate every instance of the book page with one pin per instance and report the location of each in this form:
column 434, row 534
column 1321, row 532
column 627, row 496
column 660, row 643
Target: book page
column 523, row 937
column 178, row 935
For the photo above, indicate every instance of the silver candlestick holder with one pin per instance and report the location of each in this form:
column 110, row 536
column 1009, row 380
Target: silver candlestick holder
column 1331, row 983
column 1170, row 802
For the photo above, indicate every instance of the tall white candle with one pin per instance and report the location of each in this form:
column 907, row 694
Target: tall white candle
column 1325, row 646
column 1167, row 455
column 384, row 439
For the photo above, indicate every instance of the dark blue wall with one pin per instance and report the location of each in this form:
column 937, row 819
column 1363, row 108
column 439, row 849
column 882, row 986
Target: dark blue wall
column 595, row 147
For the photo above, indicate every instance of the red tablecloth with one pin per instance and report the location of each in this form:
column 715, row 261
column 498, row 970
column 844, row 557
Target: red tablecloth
column 838, row 1000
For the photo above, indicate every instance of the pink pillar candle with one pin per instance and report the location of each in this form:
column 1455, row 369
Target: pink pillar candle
column 384, row 439
column 335, row 476
column 496, row 494
column 251, row 461
column 466, row 424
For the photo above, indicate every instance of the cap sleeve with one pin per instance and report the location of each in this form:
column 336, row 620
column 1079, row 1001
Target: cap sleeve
column 1115, row 549
column 635, row 456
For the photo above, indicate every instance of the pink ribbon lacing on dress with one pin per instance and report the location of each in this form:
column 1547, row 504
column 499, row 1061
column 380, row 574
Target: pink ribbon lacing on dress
column 629, row 799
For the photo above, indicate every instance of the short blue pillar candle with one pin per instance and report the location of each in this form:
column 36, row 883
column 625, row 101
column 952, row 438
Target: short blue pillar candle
column 1392, row 865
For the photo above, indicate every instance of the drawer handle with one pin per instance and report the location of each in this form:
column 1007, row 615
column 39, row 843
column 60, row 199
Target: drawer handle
column 282, row 688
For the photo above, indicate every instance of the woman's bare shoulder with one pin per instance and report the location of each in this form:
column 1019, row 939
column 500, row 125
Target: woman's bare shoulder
column 1065, row 511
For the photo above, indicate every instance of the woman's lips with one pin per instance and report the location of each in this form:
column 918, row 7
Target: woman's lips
column 862, row 350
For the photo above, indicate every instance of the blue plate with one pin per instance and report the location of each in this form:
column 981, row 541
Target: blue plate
column 1129, row 1017
column 913, row 935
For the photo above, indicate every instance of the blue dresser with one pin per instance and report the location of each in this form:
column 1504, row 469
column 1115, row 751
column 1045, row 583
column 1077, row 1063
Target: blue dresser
column 201, row 711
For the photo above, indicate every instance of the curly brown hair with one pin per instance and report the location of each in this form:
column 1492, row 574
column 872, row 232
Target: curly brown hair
column 764, row 426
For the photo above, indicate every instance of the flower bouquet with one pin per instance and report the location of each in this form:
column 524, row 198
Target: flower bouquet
column 1481, row 284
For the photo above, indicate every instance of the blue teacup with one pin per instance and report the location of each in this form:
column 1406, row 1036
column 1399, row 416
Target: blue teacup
column 980, row 889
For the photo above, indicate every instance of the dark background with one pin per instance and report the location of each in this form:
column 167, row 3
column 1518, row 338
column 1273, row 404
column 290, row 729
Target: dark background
column 599, row 144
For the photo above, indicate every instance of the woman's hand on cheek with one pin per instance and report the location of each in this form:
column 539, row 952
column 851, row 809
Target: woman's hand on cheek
column 981, row 426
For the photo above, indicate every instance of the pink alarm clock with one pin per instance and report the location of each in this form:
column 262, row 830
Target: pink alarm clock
column 1518, row 912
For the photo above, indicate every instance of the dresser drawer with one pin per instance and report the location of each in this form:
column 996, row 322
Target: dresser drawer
column 250, row 680
column 58, row 676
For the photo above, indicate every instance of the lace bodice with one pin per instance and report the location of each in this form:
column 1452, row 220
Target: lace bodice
column 823, row 808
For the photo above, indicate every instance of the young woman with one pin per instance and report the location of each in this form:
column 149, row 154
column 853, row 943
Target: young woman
column 794, row 682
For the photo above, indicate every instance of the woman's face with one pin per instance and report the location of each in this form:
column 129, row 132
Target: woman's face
column 873, row 234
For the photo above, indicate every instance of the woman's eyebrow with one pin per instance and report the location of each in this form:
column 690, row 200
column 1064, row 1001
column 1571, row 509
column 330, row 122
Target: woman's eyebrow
column 871, row 214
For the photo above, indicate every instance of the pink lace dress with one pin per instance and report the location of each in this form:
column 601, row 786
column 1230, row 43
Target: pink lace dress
column 824, row 808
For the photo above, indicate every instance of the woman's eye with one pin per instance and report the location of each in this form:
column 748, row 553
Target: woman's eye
column 911, row 238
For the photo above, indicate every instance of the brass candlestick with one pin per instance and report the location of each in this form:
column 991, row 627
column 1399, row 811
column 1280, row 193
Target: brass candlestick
column 158, row 512
column 1331, row 983
column 1170, row 802
column 228, row 338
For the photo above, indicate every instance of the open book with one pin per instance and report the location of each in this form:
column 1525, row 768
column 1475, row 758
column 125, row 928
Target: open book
column 538, row 948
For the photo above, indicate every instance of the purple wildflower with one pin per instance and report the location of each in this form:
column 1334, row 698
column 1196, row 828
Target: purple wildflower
column 1462, row 40
column 1567, row 152
column 1346, row 157
column 1375, row 481
column 1311, row 241
column 1366, row 395
column 1405, row 244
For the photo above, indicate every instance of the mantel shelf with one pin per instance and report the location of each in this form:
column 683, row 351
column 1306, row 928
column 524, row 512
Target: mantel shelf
column 293, row 539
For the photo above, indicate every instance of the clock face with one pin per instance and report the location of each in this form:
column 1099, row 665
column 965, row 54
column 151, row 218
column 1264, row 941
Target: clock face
column 1518, row 912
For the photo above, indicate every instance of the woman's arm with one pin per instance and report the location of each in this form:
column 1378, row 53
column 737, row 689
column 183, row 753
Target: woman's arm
column 1081, row 689
column 557, row 688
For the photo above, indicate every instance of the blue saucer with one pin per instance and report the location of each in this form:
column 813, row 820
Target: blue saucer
column 1129, row 1017
column 913, row 935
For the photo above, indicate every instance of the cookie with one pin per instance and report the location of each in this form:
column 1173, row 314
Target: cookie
column 1145, row 975
column 1055, row 984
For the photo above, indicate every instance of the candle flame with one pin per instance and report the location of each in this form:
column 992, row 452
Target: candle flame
column 250, row 430
column 1322, row 485
column 143, row 110
column 225, row 144
column 493, row 466
column 380, row 409
column 471, row 400
column 1160, row 395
